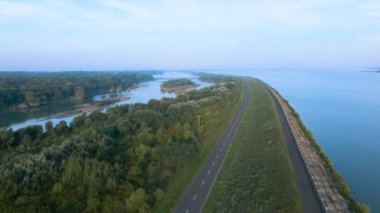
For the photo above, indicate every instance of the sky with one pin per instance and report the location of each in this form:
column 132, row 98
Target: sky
column 188, row 34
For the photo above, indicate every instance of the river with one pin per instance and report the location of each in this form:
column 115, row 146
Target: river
column 146, row 91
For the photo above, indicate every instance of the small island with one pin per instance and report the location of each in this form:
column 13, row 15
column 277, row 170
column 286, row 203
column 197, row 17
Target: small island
column 179, row 86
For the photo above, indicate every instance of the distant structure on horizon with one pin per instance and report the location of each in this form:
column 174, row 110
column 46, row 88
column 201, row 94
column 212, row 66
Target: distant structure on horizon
column 376, row 70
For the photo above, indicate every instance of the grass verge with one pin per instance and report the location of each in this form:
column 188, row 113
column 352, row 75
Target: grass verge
column 256, row 175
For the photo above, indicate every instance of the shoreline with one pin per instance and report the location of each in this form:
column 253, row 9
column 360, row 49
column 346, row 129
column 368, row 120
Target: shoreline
column 318, row 168
column 318, row 172
column 88, row 107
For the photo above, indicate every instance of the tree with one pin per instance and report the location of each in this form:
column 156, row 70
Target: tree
column 185, row 111
column 61, row 127
column 159, row 194
column 48, row 126
column 161, row 135
column 176, row 131
column 6, row 138
column 136, row 200
column 79, row 94
column 70, row 185
column 361, row 208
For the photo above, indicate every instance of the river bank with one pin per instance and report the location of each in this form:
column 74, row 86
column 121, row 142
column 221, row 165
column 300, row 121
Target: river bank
column 89, row 107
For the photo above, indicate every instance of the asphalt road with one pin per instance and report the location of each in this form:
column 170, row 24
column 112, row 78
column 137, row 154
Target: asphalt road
column 309, row 197
column 197, row 193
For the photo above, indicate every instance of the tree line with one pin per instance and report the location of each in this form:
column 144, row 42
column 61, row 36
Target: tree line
column 33, row 89
column 122, row 160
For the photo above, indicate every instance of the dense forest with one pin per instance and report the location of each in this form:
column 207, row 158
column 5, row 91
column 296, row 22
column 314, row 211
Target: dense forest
column 122, row 160
column 33, row 89
column 177, row 83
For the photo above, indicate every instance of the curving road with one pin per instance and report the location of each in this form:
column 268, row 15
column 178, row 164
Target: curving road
column 196, row 195
column 308, row 194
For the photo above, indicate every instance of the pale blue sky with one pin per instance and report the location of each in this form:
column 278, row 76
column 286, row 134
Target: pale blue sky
column 189, row 34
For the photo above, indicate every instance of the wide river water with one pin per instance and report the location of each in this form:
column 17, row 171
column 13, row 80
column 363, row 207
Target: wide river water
column 342, row 109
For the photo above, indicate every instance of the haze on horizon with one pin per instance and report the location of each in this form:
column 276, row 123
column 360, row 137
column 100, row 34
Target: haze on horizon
column 188, row 34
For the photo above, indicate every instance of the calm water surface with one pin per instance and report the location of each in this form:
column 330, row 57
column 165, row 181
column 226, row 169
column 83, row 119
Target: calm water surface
column 342, row 109
column 145, row 92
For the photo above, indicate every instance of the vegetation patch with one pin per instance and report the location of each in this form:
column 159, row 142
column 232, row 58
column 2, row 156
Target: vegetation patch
column 180, row 85
column 178, row 82
column 256, row 175
column 23, row 90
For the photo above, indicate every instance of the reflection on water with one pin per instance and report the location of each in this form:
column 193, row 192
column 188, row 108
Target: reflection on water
column 8, row 117
column 142, row 94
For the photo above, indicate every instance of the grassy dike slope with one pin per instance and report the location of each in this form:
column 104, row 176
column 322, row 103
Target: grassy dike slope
column 213, row 132
column 256, row 175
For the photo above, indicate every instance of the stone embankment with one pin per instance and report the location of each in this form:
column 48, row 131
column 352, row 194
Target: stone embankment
column 328, row 192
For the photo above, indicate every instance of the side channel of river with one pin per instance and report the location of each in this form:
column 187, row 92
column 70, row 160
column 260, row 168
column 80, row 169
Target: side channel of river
column 145, row 92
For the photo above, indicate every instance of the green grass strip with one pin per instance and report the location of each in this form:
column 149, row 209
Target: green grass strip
column 256, row 175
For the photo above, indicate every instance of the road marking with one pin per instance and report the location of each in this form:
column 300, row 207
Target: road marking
column 203, row 182
column 213, row 163
column 217, row 156
column 187, row 211
column 208, row 172
column 195, row 196
column 221, row 149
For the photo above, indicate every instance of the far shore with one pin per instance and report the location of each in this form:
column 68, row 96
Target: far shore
column 371, row 71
